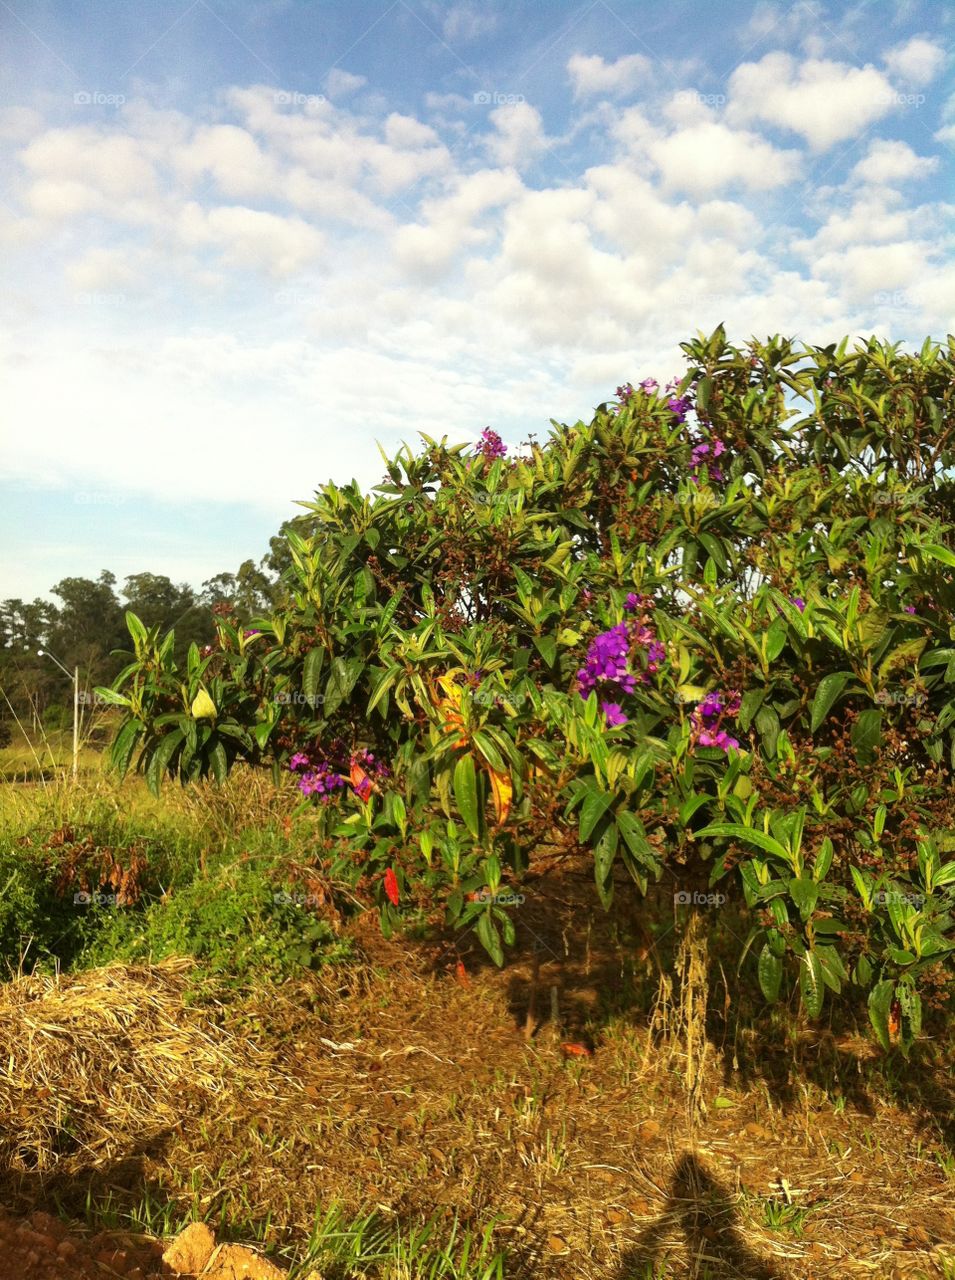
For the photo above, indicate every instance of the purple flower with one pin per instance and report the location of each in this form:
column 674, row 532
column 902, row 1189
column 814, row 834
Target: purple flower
column 298, row 761
column 633, row 601
column 799, row 602
column 491, row 446
column 252, row 632
column 910, row 608
column 614, row 715
column 649, row 384
column 679, row 406
column 721, row 739
column 625, row 392
column 321, row 781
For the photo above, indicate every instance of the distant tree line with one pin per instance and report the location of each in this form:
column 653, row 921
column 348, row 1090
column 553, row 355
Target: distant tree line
column 87, row 628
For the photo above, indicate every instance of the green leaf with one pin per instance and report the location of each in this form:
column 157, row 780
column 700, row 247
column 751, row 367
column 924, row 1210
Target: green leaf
column 136, row 630
column 342, row 678
column 942, row 554
column 314, row 661
column 604, row 854
column 160, row 758
column 805, row 893
column 595, row 806
column 776, row 636
column 112, row 697
column 812, row 986
column 219, row 762
column 767, row 726
column 866, row 733
column 546, row 646
column 830, row 687
column 880, row 1005
column 124, row 745
column 749, row 834
column 489, row 938
column 466, row 794
column 770, row 971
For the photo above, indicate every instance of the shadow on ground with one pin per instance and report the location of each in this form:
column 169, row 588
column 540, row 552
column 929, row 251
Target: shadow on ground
column 699, row 1218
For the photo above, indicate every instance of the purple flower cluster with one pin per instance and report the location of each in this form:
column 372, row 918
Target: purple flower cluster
column 609, row 655
column 707, row 718
column 680, row 406
column 625, row 392
column 320, row 780
column 705, row 454
column 371, row 764
column 491, row 446
column 607, row 659
column 649, row 384
column 909, row 608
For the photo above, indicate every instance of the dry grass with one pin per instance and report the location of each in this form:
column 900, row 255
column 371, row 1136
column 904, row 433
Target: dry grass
column 95, row 1065
column 406, row 1090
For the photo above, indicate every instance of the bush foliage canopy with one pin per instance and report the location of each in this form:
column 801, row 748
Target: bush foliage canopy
column 707, row 635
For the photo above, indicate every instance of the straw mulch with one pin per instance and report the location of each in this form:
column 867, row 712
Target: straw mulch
column 97, row 1064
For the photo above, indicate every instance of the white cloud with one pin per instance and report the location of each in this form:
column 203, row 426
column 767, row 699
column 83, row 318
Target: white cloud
column 917, row 62
column 19, row 124
column 406, row 131
column 232, row 157
column 250, row 238
column 463, row 23
column 590, row 75
column 461, row 218
column 519, row 134
column 707, row 157
column 339, row 83
column 826, row 102
column 887, row 162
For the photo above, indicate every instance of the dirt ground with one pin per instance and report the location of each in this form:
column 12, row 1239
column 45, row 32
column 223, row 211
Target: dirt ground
column 426, row 1078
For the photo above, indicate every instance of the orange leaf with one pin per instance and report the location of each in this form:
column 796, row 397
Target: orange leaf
column 577, row 1050
column 462, row 974
column 502, row 790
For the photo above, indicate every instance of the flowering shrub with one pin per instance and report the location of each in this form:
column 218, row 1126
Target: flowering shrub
column 707, row 636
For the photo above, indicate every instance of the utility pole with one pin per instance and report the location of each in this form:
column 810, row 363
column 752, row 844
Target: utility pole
column 45, row 653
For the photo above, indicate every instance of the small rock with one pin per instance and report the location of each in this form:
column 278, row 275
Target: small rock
column 191, row 1250
column 557, row 1244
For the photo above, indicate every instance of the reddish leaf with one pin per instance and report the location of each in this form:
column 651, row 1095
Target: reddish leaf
column 462, row 974
column 391, row 886
column 577, row 1050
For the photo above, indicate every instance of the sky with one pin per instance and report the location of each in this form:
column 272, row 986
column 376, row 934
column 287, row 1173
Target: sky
column 244, row 242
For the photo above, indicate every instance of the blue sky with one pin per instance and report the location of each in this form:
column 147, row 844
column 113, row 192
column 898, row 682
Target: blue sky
column 245, row 241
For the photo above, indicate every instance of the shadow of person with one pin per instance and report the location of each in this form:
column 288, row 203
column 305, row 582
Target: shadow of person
column 702, row 1212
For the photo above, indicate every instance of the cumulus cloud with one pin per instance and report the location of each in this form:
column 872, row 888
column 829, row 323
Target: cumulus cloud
column 340, row 83
column 252, row 238
column 888, row 161
column 590, row 75
column 825, row 102
column 917, row 62
column 518, row 136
